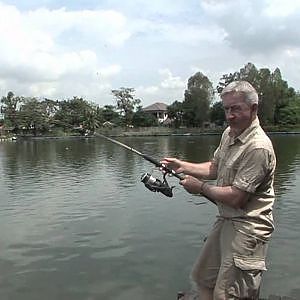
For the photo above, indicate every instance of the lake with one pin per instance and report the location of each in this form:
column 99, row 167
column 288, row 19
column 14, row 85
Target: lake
column 77, row 223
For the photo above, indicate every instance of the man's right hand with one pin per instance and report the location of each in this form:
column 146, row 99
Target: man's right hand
column 173, row 163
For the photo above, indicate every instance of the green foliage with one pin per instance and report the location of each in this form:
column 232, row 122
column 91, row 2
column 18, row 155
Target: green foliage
column 9, row 107
column 110, row 114
column 142, row 119
column 279, row 106
column 33, row 116
column 273, row 91
column 72, row 112
column 197, row 99
column 217, row 114
column 290, row 113
column 175, row 113
column 126, row 103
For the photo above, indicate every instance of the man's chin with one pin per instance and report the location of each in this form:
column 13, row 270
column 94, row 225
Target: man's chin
column 234, row 131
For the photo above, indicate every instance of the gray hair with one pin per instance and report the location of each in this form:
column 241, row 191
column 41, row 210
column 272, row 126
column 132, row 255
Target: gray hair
column 244, row 88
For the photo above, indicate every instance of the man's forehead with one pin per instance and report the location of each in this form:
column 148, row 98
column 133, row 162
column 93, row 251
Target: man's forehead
column 233, row 94
column 233, row 97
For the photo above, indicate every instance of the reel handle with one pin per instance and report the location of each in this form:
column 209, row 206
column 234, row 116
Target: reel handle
column 164, row 167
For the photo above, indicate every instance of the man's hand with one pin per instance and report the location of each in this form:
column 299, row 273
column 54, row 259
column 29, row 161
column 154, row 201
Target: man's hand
column 192, row 184
column 173, row 163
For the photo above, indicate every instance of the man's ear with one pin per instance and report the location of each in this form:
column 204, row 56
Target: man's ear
column 254, row 108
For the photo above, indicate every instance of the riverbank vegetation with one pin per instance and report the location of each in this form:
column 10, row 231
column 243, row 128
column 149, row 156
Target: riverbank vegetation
column 279, row 109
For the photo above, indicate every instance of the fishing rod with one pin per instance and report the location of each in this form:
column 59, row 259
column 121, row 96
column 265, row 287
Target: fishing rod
column 152, row 183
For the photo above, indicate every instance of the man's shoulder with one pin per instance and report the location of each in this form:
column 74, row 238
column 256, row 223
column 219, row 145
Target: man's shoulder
column 260, row 139
column 225, row 133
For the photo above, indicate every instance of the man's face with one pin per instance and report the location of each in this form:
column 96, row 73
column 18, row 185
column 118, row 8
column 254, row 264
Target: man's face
column 239, row 114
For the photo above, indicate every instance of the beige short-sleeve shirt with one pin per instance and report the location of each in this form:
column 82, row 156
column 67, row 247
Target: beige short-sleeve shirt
column 248, row 162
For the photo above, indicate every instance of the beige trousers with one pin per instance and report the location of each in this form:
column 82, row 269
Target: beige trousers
column 231, row 263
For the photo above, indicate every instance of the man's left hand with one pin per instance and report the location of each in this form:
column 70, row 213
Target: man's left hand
column 192, row 184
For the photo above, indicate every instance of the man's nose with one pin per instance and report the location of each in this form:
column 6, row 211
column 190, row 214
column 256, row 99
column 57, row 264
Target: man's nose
column 229, row 114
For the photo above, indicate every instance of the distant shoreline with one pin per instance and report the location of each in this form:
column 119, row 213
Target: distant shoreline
column 132, row 134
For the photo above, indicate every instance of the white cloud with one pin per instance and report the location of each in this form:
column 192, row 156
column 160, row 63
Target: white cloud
column 280, row 8
column 149, row 90
column 72, row 50
column 42, row 50
column 109, row 71
column 169, row 81
column 170, row 88
column 257, row 27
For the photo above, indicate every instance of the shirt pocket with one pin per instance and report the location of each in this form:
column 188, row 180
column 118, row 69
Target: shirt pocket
column 228, row 172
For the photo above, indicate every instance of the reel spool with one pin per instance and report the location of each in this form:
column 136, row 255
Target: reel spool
column 156, row 185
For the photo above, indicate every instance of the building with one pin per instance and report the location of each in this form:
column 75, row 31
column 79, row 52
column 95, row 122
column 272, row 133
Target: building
column 158, row 110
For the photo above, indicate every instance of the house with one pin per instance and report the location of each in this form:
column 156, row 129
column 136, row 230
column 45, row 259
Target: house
column 5, row 132
column 159, row 110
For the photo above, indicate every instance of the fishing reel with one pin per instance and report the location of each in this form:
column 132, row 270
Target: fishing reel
column 157, row 185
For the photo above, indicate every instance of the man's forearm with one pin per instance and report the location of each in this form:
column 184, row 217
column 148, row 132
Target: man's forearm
column 228, row 195
column 206, row 170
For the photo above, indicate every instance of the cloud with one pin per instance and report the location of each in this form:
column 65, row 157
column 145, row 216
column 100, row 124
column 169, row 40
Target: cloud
column 42, row 52
column 169, row 81
column 61, row 52
column 279, row 8
column 107, row 72
column 254, row 27
column 169, row 89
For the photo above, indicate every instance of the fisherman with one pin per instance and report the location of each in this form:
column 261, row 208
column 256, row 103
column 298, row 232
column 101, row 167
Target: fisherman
column 232, row 260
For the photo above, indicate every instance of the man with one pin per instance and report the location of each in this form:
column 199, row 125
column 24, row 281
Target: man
column 233, row 256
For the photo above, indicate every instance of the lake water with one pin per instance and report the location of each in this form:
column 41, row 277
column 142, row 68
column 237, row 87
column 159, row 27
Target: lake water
column 77, row 223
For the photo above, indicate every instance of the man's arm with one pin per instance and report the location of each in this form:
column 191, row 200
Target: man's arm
column 206, row 170
column 229, row 195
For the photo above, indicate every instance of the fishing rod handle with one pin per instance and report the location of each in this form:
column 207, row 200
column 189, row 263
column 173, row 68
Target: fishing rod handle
column 163, row 166
column 170, row 171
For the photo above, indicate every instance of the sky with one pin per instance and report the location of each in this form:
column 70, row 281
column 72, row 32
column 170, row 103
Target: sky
column 86, row 48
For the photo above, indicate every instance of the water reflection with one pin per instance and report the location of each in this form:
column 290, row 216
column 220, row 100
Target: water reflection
column 288, row 157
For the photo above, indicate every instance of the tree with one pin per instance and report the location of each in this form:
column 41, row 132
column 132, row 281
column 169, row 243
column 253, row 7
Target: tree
column 143, row 119
column 33, row 116
column 126, row 103
column 248, row 73
column 91, row 122
column 197, row 99
column 110, row 114
column 9, row 108
column 226, row 79
column 51, row 107
column 217, row 114
column 282, row 94
column 290, row 114
column 274, row 93
column 265, row 91
column 175, row 113
column 72, row 112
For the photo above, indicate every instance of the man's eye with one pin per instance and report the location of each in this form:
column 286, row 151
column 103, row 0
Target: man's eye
column 232, row 109
column 235, row 108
